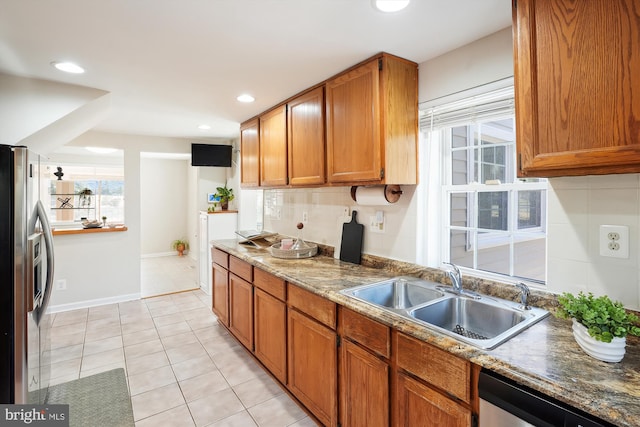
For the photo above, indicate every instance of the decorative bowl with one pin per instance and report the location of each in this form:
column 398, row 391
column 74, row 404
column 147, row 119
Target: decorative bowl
column 91, row 224
column 308, row 251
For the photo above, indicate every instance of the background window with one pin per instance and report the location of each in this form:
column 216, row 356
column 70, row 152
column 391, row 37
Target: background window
column 85, row 192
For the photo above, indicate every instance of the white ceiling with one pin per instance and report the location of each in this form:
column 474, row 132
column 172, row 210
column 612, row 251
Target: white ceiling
column 171, row 65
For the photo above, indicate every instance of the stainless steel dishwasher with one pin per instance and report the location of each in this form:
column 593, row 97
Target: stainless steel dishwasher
column 504, row 403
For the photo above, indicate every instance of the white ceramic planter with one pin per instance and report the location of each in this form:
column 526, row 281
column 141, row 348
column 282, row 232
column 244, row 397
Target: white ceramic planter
column 605, row 351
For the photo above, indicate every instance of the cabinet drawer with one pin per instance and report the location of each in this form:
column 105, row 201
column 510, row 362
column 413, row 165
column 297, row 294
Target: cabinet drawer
column 321, row 309
column 371, row 334
column 269, row 283
column 241, row 268
column 437, row 367
column 220, row 257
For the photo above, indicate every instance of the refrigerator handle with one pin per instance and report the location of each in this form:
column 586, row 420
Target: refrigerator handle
column 40, row 213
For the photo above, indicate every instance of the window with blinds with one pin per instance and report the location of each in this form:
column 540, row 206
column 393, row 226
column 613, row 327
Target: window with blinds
column 491, row 221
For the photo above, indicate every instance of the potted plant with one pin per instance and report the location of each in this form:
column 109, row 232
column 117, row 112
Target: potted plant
column 85, row 200
column 180, row 245
column 226, row 195
column 600, row 326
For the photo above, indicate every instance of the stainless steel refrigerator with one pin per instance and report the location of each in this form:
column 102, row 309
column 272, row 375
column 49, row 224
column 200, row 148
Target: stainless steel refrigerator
column 26, row 278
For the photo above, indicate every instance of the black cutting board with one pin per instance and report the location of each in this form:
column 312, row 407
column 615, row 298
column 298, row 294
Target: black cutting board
column 351, row 245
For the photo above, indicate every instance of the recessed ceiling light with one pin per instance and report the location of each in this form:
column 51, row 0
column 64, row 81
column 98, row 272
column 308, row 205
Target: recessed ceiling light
column 390, row 5
column 204, row 127
column 68, row 67
column 245, row 98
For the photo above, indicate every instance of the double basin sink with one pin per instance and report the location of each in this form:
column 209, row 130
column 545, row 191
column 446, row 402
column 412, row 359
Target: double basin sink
column 480, row 320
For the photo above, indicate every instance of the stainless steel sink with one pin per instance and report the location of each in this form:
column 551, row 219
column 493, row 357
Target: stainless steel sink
column 397, row 293
column 480, row 320
column 474, row 321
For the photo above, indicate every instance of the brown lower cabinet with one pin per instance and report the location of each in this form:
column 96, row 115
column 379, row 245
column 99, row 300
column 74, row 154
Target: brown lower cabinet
column 241, row 310
column 312, row 354
column 345, row 368
column 364, row 387
column 419, row 405
column 220, row 294
column 433, row 387
column 270, row 330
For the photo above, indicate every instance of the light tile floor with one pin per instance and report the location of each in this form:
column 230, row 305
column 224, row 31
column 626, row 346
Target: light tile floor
column 183, row 368
column 168, row 274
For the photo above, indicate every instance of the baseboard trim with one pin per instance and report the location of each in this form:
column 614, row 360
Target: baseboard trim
column 159, row 254
column 93, row 303
column 164, row 254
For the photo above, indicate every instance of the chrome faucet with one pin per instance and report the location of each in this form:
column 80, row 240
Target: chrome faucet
column 524, row 295
column 456, row 278
column 456, row 283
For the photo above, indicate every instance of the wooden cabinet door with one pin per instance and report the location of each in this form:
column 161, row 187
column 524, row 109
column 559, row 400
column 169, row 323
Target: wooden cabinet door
column 250, row 154
column 220, row 294
column 273, row 147
column 305, row 130
column 364, row 388
column 354, row 150
column 441, row 369
column 312, row 366
column 418, row 405
column 270, row 333
column 241, row 310
column 577, row 88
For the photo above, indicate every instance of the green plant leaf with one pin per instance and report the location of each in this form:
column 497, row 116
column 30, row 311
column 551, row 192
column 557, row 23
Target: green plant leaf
column 603, row 318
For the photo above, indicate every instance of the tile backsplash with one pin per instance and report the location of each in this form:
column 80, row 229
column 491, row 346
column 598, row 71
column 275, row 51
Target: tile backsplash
column 325, row 207
column 577, row 206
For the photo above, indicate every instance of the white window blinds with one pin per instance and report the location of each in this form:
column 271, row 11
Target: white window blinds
column 471, row 108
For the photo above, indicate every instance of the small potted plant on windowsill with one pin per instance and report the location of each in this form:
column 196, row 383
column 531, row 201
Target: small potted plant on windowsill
column 226, row 195
column 600, row 326
column 180, row 245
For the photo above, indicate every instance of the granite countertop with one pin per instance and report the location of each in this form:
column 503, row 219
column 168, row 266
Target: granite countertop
column 544, row 357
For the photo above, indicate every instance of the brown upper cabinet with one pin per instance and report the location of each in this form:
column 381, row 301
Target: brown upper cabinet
column 273, row 147
column 250, row 154
column 359, row 127
column 577, row 89
column 306, row 141
column 372, row 123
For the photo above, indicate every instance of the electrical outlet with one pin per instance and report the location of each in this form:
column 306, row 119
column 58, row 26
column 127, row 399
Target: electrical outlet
column 305, row 217
column 376, row 222
column 614, row 241
column 61, row 284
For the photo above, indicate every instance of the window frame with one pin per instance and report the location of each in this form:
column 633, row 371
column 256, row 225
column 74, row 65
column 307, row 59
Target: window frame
column 475, row 235
column 47, row 183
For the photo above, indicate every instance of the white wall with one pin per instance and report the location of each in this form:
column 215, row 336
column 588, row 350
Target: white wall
column 102, row 267
column 325, row 207
column 478, row 63
column 105, row 267
column 41, row 114
column 164, row 204
column 577, row 208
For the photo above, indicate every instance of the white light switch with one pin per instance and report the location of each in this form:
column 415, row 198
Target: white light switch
column 614, row 241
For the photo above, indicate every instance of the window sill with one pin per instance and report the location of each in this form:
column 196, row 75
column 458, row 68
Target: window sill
column 86, row 230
